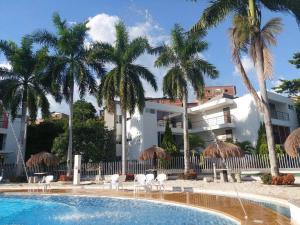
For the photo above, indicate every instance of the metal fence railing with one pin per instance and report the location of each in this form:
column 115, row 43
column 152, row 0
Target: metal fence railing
column 175, row 165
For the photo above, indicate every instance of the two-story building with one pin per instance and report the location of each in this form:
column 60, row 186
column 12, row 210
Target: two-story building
column 8, row 134
column 223, row 117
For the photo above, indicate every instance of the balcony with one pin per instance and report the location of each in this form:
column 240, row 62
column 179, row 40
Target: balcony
column 280, row 115
column 212, row 123
column 4, row 121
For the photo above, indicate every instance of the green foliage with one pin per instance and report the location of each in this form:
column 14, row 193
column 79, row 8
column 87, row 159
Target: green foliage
column 218, row 10
column 168, row 142
column 125, row 79
column 185, row 65
column 266, row 178
column 41, row 136
column 83, row 110
column 263, row 149
column 246, row 146
column 261, row 138
column 91, row 139
column 24, row 84
column 195, row 141
column 71, row 62
column 262, row 144
column 296, row 60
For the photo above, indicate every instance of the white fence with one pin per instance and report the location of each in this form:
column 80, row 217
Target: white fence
column 175, row 165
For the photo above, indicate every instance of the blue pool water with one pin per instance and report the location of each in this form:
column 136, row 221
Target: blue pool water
column 70, row 210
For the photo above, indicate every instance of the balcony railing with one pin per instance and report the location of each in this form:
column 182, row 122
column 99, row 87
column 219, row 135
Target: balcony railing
column 280, row 115
column 4, row 122
column 219, row 120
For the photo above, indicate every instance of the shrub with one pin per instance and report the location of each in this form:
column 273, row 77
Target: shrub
column 266, row 178
column 191, row 175
column 288, row 179
column 65, row 178
column 283, row 179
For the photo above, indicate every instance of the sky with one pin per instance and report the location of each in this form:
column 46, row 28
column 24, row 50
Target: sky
column 153, row 19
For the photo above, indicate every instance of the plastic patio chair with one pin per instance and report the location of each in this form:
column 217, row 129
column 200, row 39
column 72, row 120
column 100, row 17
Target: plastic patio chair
column 160, row 181
column 139, row 181
column 115, row 181
column 149, row 180
column 46, row 181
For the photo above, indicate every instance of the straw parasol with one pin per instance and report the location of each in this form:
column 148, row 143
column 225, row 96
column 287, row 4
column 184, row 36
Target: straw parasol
column 223, row 150
column 153, row 152
column 42, row 158
column 292, row 143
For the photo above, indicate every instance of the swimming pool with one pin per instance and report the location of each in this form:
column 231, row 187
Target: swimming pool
column 67, row 210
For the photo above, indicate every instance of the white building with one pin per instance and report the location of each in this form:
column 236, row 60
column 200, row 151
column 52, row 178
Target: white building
column 8, row 143
column 228, row 117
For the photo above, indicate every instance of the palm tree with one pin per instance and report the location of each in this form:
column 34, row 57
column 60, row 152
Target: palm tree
column 186, row 67
column 21, row 87
column 124, row 80
column 256, row 44
column 249, row 12
column 70, row 63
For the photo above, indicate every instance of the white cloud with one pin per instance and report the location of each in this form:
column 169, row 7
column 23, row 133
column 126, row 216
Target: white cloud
column 248, row 65
column 102, row 27
column 5, row 65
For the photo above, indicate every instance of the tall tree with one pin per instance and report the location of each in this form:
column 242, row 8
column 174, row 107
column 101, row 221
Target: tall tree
column 248, row 12
column 256, row 41
column 123, row 81
column 22, row 87
column 186, row 68
column 70, row 64
column 168, row 143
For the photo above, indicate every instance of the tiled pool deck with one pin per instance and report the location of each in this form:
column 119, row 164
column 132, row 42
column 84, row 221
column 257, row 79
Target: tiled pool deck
column 257, row 214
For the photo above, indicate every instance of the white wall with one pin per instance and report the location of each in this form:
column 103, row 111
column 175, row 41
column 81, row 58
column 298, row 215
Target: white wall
column 10, row 146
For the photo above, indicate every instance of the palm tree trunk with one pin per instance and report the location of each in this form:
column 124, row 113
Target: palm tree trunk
column 70, row 144
column 124, row 141
column 186, row 148
column 266, row 107
column 23, row 136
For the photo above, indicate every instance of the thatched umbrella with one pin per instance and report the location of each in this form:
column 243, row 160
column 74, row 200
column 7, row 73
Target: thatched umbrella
column 154, row 153
column 292, row 143
column 223, row 150
column 42, row 158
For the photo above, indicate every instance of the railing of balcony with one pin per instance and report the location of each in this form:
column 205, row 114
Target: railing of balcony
column 280, row 115
column 219, row 120
column 4, row 121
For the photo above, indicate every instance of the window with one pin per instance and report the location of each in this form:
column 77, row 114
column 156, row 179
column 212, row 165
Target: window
column 291, row 107
column 2, row 141
column 119, row 119
column 152, row 111
column 226, row 90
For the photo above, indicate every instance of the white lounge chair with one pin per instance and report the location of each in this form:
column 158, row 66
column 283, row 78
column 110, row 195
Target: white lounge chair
column 122, row 179
column 149, row 180
column 46, row 181
column 1, row 176
column 107, row 180
column 139, row 181
column 115, row 181
column 160, row 181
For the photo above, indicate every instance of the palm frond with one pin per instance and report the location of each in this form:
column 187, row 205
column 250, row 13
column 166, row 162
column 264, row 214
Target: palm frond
column 217, row 11
column 136, row 48
column 44, row 37
column 289, row 6
column 144, row 73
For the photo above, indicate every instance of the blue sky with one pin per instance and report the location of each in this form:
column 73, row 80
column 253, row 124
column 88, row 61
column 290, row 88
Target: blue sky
column 154, row 18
